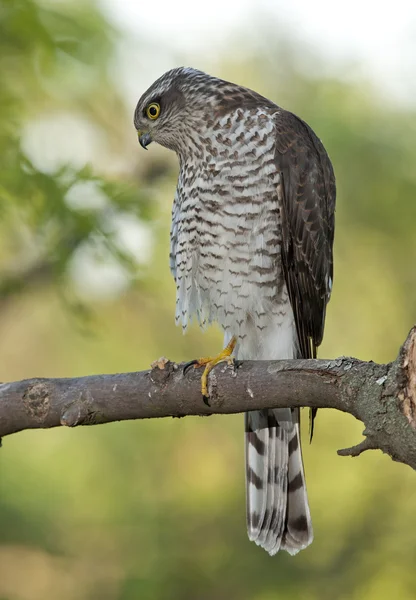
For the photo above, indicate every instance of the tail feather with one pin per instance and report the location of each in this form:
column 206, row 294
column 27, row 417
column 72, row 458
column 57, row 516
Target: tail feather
column 268, row 488
column 299, row 532
column 257, row 460
column 280, row 486
column 278, row 515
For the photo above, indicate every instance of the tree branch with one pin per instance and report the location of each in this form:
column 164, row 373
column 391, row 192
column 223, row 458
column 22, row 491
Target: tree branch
column 383, row 397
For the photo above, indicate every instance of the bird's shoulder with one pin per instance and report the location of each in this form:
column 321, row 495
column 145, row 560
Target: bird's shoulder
column 293, row 134
column 302, row 158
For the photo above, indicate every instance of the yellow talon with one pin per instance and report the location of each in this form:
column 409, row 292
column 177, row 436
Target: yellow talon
column 210, row 362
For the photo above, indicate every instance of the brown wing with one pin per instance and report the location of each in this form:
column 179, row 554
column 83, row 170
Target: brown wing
column 308, row 206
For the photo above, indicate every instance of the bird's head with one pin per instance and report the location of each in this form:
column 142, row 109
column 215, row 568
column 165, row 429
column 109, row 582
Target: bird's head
column 178, row 107
column 166, row 113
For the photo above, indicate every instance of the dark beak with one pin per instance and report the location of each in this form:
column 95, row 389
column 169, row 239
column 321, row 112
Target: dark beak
column 144, row 139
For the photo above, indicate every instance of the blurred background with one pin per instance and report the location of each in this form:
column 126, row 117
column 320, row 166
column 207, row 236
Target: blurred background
column 156, row 510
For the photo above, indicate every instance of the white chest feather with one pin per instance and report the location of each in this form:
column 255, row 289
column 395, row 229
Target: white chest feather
column 225, row 238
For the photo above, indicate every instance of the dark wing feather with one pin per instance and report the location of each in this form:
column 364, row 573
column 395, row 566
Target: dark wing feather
column 307, row 195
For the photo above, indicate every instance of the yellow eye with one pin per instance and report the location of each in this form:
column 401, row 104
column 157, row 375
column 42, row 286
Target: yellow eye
column 153, row 110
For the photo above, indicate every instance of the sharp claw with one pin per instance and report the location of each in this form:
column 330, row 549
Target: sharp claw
column 187, row 366
column 206, row 400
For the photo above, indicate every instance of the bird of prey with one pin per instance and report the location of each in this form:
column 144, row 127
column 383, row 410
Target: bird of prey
column 251, row 249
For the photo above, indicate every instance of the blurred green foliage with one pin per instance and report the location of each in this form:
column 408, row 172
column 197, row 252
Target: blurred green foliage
column 54, row 62
column 156, row 510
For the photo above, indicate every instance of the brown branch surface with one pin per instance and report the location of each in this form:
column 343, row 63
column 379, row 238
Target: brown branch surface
column 383, row 397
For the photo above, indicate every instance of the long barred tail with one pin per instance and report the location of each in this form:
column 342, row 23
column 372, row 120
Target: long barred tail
column 278, row 516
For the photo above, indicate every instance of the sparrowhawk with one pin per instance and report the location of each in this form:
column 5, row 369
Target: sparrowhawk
column 251, row 249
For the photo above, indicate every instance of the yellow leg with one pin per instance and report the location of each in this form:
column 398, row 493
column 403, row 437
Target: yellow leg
column 210, row 362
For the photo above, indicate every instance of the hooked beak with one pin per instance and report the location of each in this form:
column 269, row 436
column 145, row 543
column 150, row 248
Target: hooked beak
column 144, row 139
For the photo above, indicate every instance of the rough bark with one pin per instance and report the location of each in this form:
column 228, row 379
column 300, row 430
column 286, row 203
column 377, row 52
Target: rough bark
column 383, row 397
